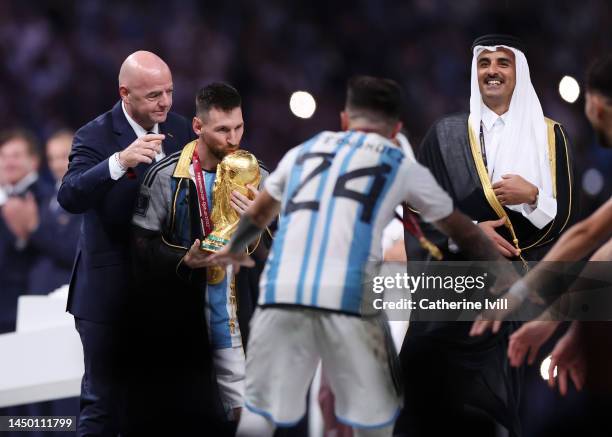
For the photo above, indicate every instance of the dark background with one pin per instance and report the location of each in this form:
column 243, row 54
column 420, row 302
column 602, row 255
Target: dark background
column 60, row 61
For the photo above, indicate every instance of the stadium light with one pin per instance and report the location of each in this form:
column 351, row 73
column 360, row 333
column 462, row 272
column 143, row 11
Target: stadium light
column 569, row 89
column 302, row 104
column 592, row 182
column 544, row 368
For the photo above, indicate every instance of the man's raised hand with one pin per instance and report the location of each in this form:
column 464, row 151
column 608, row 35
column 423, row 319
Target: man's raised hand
column 143, row 149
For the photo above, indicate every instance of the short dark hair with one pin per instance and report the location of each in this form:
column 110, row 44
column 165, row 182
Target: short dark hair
column 374, row 94
column 599, row 76
column 217, row 95
column 32, row 145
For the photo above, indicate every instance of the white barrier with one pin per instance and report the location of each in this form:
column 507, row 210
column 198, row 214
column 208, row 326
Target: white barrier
column 43, row 359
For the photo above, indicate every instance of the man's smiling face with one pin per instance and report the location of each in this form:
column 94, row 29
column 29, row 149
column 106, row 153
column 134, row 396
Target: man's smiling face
column 496, row 77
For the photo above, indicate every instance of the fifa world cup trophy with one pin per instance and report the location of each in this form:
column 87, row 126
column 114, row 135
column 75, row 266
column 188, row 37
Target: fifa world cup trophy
column 235, row 172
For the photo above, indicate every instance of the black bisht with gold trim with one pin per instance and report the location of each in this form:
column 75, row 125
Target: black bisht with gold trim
column 450, row 152
column 469, row 379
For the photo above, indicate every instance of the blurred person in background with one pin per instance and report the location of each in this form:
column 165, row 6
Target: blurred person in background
column 110, row 156
column 55, row 232
column 23, row 192
column 49, row 236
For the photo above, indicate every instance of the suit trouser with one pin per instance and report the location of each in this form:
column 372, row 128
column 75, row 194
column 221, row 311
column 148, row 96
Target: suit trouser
column 103, row 393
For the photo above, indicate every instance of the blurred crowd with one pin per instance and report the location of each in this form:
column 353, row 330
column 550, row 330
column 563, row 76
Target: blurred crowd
column 59, row 70
column 60, row 59
column 38, row 238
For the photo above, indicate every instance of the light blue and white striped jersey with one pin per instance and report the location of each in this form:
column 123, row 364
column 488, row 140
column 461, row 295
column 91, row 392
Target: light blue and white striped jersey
column 221, row 312
column 338, row 192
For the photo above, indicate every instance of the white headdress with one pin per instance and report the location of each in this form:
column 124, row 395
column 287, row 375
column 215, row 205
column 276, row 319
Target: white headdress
column 523, row 147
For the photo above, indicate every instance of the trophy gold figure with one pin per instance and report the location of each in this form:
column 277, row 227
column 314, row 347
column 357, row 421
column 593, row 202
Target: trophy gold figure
column 234, row 172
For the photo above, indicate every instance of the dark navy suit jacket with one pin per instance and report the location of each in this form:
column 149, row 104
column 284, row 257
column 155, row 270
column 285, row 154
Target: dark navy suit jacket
column 101, row 277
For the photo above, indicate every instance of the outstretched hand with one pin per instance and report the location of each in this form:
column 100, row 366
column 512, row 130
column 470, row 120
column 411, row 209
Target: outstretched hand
column 493, row 319
column 224, row 257
column 527, row 340
column 568, row 359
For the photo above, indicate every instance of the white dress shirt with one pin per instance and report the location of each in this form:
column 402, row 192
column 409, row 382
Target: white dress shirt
column 115, row 168
column 545, row 209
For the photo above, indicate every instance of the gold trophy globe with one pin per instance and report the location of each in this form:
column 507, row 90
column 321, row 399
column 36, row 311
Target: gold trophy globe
column 234, row 172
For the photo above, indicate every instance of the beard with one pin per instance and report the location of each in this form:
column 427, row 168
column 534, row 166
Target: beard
column 217, row 153
column 221, row 152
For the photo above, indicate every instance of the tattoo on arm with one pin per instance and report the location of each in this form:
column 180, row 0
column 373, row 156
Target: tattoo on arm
column 468, row 237
column 245, row 234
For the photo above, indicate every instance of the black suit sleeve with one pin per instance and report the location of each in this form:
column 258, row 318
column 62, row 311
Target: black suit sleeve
column 88, row 178
column 568, row 169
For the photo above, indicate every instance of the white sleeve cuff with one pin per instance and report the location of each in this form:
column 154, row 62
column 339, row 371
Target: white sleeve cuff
column 115, row 168
column 544, row 212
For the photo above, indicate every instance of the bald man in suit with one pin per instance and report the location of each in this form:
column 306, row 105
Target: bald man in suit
column 110, row 156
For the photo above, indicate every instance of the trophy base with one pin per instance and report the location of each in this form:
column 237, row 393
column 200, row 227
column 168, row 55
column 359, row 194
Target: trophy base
column 212, row 244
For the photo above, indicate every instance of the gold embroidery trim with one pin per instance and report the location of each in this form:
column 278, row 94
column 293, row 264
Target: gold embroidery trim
column 490, row 195
column 173, row 245
column 172, row 221
column 569, row 181
column 553, row 149
column 552, row 153
column 486, row 185
column 182, row 167
column 552, row 162
column 250, row 252
column 234, row 305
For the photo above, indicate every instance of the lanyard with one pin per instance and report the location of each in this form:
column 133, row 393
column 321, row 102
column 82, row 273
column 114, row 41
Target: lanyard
column 201, row 190
column 483, row 151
